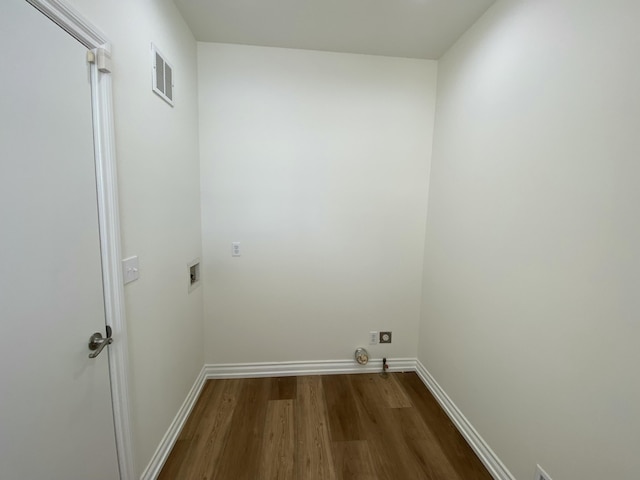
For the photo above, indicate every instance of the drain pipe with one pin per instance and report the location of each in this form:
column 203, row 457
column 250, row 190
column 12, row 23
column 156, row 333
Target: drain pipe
column 361, row 356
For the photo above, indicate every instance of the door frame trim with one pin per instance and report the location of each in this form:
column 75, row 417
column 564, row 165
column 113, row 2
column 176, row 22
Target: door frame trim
column 109, row 222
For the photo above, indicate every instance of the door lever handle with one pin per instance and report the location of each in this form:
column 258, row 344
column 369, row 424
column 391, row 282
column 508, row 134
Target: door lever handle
column 97, row 342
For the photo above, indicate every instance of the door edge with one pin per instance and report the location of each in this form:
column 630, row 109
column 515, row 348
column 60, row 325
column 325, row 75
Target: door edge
column 88, row 35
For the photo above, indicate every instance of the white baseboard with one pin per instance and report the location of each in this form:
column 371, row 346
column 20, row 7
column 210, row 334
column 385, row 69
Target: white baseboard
column 496, row 468
column 168, row 441
column 324, row 367
column 317, row 367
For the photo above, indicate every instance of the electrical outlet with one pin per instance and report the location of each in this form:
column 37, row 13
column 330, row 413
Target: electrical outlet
column 541, row 474
column 385, row 337
column 235, row 249
column 373, row 338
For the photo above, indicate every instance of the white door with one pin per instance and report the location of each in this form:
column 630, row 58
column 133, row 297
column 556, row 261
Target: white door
column 56, row 416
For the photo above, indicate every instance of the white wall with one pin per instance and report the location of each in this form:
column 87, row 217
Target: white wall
column 318, row 164
column 530, row 315
column 158, row 169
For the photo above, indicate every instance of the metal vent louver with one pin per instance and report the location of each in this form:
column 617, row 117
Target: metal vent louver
column 162, row 76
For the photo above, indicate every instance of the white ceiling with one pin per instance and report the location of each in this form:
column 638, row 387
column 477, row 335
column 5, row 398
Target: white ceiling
column 398, row 28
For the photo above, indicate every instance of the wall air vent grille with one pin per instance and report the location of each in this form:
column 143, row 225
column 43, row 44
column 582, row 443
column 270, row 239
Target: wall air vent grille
column 162, row 76
column 541, row 474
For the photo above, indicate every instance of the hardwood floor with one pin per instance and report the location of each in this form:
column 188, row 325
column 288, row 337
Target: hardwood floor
column 332, row 427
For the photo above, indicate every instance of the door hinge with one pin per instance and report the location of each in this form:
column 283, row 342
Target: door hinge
column 101, row 57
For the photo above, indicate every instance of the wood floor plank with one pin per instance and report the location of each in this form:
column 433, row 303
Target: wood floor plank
column 284, row 388
column 204, row 432
column 367, row 396
column 240, row 458
column 353, row 461
column 344, row 422
column 313, row 449
column 389, row 390
column 454, row 446
column 278, row 447
column 198, row 409
column 212, row 432
column 174, row 463
column 385, row 440
column 427, row 457
column 344, row 427
column 392, row 392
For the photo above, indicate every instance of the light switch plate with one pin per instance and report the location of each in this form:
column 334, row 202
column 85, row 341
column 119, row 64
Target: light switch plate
column 130, row 269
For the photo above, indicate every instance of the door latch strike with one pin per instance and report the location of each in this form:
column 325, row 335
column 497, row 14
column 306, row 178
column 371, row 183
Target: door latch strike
column 101, row 57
